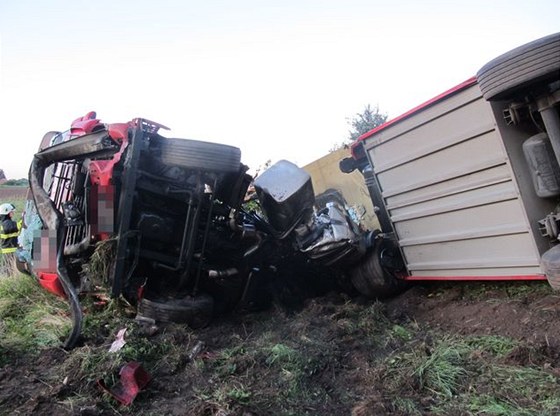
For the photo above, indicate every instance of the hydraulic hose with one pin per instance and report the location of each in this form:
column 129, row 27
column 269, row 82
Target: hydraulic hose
column 71, row 293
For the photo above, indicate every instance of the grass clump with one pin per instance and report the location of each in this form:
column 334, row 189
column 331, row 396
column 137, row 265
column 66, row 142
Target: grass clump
column 228, row 376
column 436, row 369
column 401, row 333
column 232, row 361
column 87, row 364
column 282, row 355
column 441, row 370
column 490, row 405
column 406, row 406
column 496, row 290
column 373, row 318
column 100, row 264
column 495, row 345
column 31, row 318
column 239, row 394
column 103, row 318
column 290, row 365
column 472, row 373
column 524, row 387
column 501, row 406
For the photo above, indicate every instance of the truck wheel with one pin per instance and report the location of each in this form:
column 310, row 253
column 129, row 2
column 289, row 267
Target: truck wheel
column 194, row 154
column 550, row 262
column 372, row 279
column 195, row 311
column 513, row 72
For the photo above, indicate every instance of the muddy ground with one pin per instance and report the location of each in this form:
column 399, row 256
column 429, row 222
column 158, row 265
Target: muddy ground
column 337, row 355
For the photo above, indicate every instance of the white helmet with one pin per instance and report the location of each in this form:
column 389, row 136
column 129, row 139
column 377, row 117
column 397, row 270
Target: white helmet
column 5, row 209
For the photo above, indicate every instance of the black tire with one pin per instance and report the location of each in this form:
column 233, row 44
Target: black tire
column 330, row 195
column 196, row 312
column 525, row 67
column 373, row 280
column 550, row 263
column 194, row 154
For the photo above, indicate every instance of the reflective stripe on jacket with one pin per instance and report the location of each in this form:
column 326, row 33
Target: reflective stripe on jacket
column 6, row 236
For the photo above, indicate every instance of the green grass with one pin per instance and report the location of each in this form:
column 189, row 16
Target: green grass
column 308, row 362
column 231, row 370
column 30, row 317
column 469, row 373
column 401, row 333
column 500, row 406
column 440, row 371
column 514, row 290
column 290, row 365
column 496, row 345
column 435, row 369
column 239, row 394
column 406, row 406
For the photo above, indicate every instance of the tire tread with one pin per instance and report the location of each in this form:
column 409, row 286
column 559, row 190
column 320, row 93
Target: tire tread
column 520, row 68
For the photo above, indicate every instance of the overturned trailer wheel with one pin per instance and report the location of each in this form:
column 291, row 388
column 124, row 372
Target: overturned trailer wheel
column 521, row 69
column 376, row 276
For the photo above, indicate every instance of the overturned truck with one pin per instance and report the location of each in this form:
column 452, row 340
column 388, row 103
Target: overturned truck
column 180, row 240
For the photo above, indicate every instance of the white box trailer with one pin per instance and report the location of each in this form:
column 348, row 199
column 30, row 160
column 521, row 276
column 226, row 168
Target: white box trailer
column 467, row 185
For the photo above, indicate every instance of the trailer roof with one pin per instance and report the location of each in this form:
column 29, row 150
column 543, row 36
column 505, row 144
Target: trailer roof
column 420, row 107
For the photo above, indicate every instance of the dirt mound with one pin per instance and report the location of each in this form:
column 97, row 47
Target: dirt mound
column 517, row 310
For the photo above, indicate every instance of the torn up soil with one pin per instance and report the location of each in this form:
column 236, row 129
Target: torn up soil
column 506, row 309
column 337, row 355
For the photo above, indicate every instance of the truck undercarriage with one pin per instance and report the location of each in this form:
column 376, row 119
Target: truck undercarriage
column 179, row 238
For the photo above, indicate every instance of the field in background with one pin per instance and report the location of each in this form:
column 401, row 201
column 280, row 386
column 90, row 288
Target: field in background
column 15, row 195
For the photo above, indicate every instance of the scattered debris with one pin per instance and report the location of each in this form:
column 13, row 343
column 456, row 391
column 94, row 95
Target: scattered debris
column 147, row 326
column 133, row 379
column 119, row 341
column 196, row 350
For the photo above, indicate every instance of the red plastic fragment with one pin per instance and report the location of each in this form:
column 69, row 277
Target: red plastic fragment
column 51, row 282
column 133, row 379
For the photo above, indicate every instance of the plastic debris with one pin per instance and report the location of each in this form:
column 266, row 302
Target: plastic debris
column 196, row 350
column 119, row 342
column 133, row 379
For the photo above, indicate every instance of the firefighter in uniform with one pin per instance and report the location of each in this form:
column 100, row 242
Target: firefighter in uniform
column 9, row 231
